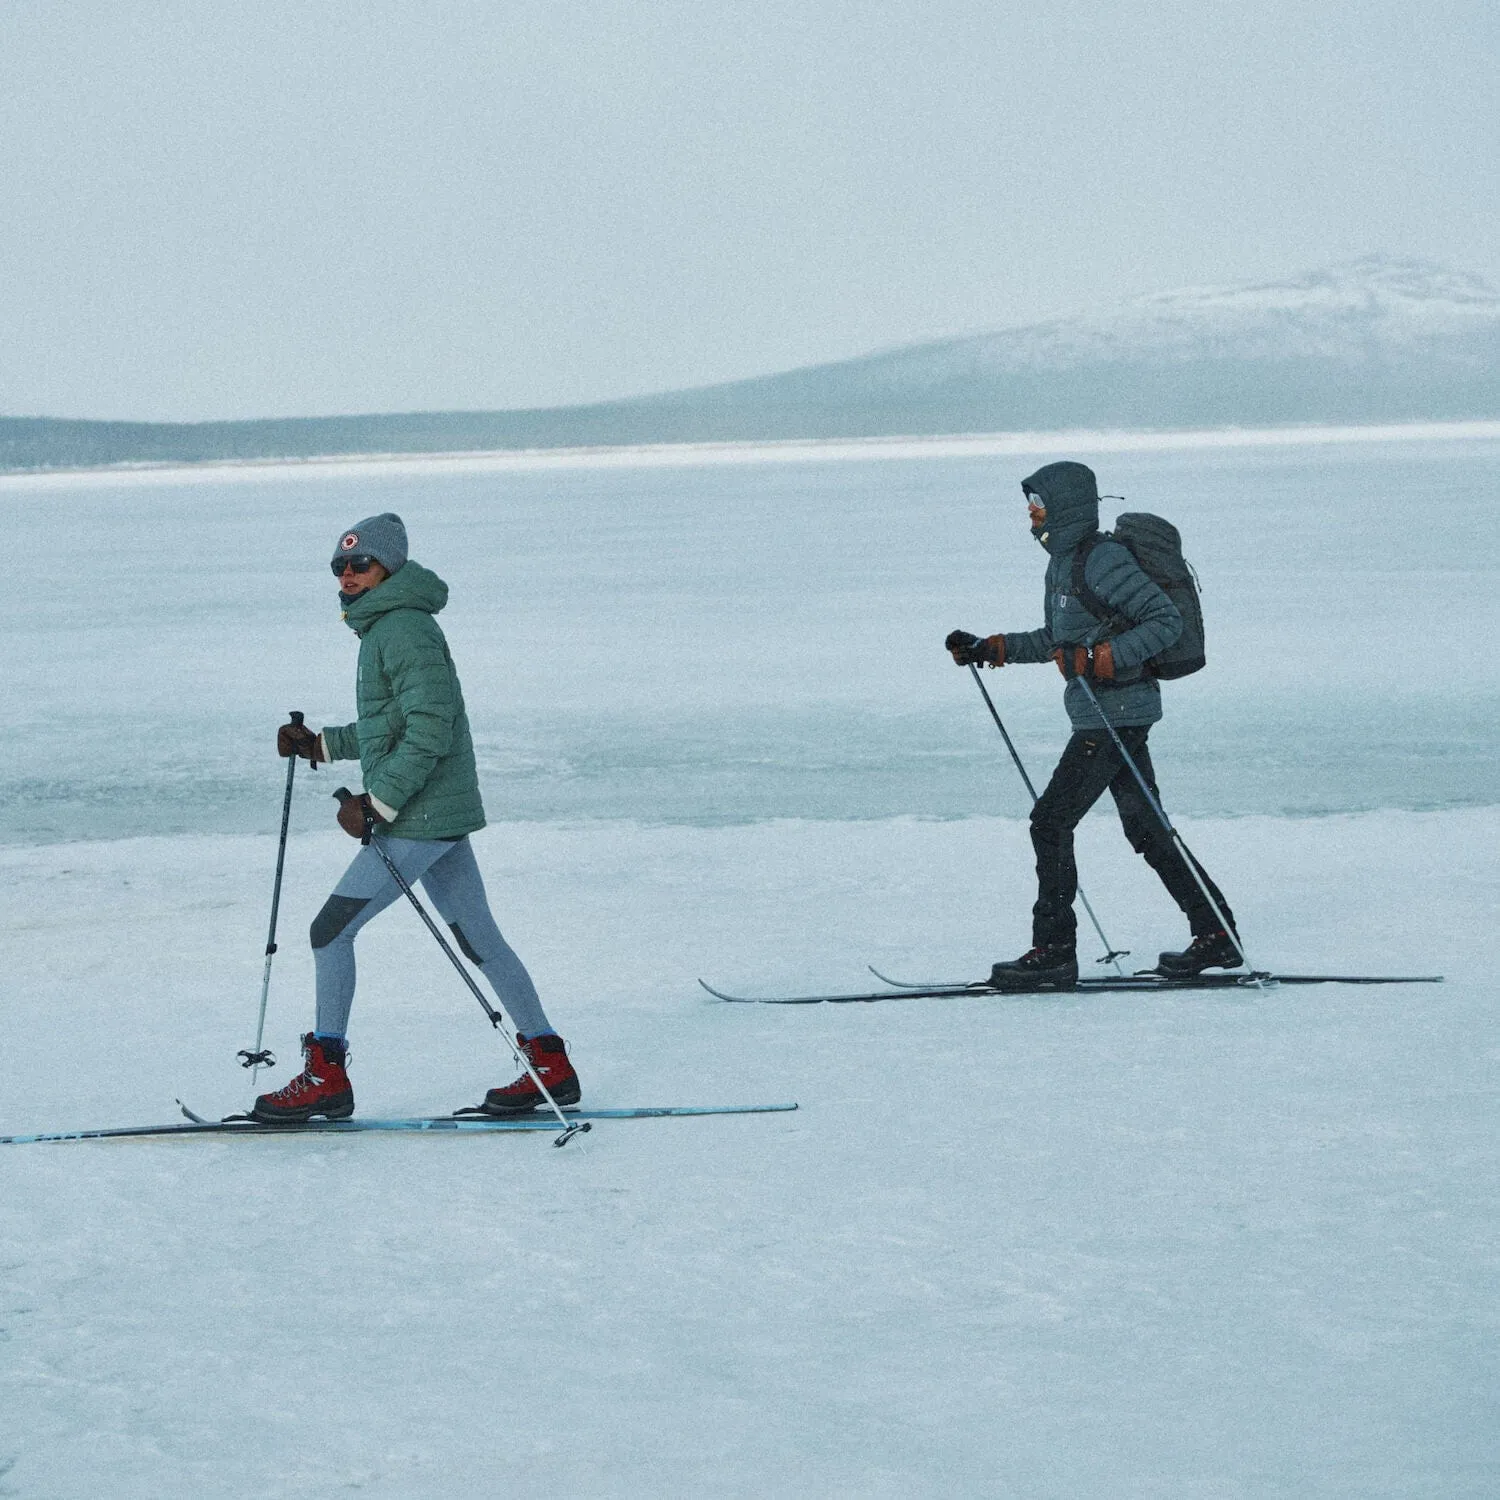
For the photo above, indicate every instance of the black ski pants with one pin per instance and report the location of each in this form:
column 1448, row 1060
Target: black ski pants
column 1090, row 763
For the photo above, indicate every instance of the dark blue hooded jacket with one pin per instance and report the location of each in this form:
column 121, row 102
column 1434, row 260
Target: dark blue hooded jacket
column 1071, row 497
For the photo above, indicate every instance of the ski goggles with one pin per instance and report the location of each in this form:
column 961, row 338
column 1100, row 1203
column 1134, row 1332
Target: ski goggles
column 358, row 564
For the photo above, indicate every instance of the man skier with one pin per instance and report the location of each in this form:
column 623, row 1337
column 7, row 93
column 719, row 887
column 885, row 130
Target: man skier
column 1063, row 501
column 422, row 789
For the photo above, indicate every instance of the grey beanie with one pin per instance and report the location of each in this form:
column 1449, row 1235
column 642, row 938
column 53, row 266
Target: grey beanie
column 382, row 537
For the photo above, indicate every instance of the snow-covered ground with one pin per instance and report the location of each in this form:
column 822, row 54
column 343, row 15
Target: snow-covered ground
column 1211, row 1245
column 1188, row 1245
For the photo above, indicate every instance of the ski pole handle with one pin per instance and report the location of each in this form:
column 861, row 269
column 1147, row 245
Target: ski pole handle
column 297, row 717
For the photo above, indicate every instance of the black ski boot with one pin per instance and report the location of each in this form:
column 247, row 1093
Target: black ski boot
column 1209, row 950
column 1051, row 968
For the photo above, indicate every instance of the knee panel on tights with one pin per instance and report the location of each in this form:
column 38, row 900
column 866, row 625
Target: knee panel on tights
column 337, row 913
column 465, row 946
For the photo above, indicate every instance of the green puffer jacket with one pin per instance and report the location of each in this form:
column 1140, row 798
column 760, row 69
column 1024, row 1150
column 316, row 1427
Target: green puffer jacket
column 412, row 737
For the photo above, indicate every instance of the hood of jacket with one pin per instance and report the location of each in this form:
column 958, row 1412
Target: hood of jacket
column 411, row 587
column 1070, row 494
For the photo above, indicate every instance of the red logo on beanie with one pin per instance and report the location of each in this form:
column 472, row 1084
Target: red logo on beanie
column 350, row 542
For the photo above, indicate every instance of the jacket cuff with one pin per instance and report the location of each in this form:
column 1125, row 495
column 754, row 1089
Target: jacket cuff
column 384, row 809
column 340, row 741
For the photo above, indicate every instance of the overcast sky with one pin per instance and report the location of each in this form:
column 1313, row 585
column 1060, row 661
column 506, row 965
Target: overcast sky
column 264, row 208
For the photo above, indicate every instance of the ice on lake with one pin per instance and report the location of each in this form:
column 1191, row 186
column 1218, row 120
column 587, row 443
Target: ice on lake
column 737, row 642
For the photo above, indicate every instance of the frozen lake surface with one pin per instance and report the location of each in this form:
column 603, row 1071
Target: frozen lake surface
column 736, row 642
column 1229, row 1246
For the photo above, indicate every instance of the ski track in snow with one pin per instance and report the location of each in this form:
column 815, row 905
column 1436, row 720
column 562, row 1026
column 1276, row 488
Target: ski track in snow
column 1185, row 1245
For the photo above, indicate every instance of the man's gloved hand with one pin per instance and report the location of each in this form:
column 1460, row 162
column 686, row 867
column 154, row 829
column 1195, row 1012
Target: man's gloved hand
column 352, row 814
column 1095, row 662
column 297, row 739
column 971, row 650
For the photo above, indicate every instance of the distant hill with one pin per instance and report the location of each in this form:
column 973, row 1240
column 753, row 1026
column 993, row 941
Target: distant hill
column 1374, row 340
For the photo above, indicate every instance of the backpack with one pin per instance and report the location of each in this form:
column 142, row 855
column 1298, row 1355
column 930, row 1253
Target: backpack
column 1157, row 547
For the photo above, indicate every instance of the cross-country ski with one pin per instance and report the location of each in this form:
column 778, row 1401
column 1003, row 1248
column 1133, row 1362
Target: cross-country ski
column 1155, row 980
column 464, row 1122
column 1137, row 985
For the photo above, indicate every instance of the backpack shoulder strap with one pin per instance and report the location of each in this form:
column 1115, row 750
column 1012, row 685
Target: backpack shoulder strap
column 1085, row 595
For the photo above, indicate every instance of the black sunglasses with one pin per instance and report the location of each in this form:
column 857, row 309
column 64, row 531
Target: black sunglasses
column 359, row 564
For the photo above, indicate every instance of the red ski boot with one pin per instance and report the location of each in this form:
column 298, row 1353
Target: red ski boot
column 321, row 1088
column 549, row 1056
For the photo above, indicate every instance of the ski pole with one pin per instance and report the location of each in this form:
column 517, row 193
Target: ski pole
column 1166, row 822
column 1112, row 955
column 497, row 1020
column 253, row 1059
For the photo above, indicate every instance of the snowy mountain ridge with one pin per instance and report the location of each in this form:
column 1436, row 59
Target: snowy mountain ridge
column 1351, row 312
column 1372, row 341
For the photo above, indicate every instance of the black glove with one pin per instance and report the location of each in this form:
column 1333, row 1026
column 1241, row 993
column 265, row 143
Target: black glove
column 297, row 739
column 357, row 816
column 970, row 650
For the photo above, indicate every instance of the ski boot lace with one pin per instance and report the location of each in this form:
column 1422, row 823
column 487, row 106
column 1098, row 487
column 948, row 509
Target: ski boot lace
column 301, row 1084
column 305, row 1082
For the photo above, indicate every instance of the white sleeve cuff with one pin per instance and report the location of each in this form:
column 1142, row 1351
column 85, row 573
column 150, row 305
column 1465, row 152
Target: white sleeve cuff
column 388, row 813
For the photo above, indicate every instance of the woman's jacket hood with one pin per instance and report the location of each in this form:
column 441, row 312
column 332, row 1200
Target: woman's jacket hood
column 410, row 587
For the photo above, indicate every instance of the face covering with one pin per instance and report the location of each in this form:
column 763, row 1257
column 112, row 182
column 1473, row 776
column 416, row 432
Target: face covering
column 1038, row 515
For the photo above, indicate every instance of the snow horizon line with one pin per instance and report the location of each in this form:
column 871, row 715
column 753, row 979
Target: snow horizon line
column 1083, row 441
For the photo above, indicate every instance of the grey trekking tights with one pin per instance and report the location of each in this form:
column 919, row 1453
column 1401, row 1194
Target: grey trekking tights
column 448, row 873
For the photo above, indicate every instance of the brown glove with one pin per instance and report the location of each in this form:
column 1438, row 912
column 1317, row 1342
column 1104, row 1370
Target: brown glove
column 353, row 812
column 1096, row 662
column 969, row 650
column 297, row 739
